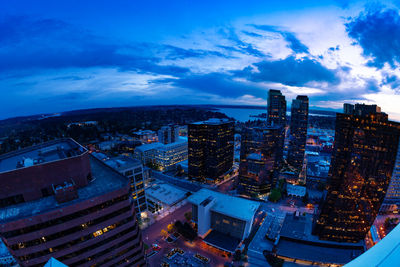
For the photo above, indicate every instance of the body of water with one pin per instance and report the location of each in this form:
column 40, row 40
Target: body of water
column 244, row 114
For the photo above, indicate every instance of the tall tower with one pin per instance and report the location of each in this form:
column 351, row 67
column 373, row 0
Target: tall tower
column 210, row 146
column 298, row 132
column 260, row 159
column 276, row 108
column 362, row 163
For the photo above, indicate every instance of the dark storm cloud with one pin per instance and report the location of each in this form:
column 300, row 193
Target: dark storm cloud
column 218, row 84
column 377, row 31
column 293, row 43
column 290, row 71
column 27, row 43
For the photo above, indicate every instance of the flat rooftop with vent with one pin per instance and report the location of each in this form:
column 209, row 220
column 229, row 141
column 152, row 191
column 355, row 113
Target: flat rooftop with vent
column 65, row 174
column 40, row 154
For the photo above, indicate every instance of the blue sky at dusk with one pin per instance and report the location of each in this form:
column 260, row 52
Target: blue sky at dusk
column 65, row 55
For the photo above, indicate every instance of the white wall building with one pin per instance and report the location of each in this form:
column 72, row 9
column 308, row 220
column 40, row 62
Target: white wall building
column 228, row 215
column 166, row 156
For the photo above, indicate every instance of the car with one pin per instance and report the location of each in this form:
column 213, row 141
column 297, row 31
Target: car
column 156, row 247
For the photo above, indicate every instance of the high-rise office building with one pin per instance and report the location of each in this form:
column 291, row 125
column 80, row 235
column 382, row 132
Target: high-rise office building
column 56, row 200
column 168, row 134
column 298, row 132
column 392, row 198
column 362, row 164
column 276, row 108
column 210, row 146
column 261, row 154
column 348, row 108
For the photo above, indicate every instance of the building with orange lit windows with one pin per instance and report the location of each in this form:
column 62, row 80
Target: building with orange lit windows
column 363, row 160
column 56, row 200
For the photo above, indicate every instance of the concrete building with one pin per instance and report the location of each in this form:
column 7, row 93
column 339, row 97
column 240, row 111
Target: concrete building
column 56, row 200
column 146, row 136
column 164, row 198
column 164, row 156
column 223, row 221
column 296, row 190
column 133, row 170
column 168, row 134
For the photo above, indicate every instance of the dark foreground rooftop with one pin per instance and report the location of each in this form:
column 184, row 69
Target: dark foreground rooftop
column 297, row 242
column 40, row 154
column 222, row 241
column 299, row 250
column 105, row 180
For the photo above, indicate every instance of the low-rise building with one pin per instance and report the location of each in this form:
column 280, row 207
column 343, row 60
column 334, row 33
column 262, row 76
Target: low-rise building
column 146, row 136
column 223, row 221
column 164, row 156
column 296, row 190
column 165, row 198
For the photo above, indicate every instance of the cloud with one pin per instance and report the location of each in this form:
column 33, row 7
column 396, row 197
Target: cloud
column 218, row 84
column 290, row 71
column 377, row 31
column 293, row 43
column 27, row 43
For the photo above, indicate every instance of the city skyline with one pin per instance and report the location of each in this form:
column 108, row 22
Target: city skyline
column 131, row 54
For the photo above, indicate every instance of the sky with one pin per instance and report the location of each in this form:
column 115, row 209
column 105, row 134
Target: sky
column 65, row 55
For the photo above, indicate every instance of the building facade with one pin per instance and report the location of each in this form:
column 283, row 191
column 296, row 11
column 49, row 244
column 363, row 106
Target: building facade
column 58, row 201
column 133, row 170
column 298, row 132
column 168, row 134
column 163, row 156
column 276, row 108
column 261, row 155
column 392, row 198
column 217, row 214
column 210, row 145
column 362, row 164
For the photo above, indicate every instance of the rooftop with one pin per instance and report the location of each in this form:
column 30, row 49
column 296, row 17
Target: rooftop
column 160, row 146
column 226, row 204
column 105, row 180
column 122, row 163
column 147, row 147
column 165, row 193
column 40, row 154
column 222, row 241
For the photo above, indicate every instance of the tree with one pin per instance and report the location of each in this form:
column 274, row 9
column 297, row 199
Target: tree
column 305, row 198
column 275, row 195
column 188, row 216
column 164, row 233
column 170, row 227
